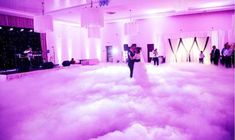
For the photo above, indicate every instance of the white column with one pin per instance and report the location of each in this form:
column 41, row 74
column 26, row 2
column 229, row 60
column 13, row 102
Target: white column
column 233, row 28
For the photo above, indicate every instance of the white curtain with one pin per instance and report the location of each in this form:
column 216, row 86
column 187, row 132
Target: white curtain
column 201, row 42
column 171, row 53
column 188, row 49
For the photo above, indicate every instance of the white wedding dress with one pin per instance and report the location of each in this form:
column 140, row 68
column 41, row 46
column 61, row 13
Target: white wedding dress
column 140, row 71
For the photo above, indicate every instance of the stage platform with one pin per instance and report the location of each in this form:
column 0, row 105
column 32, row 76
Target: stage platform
column 14, row 74
column 10, row 75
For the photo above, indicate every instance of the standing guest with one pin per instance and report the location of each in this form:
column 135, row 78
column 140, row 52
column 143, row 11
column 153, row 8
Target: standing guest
column 201, row 57
column 155, row 57
column 228, row 56
column 222, row 53
column 233, row 53
column 214, row 55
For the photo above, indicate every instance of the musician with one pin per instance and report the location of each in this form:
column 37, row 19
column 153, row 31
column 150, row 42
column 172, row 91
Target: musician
column 29, row 53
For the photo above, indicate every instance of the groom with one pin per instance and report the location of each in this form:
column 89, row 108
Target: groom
column 131, row 61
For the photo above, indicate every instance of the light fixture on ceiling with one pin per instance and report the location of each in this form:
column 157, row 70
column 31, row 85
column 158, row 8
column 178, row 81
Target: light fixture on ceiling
column 131, row 28
column 43, row 23
column 92, row 18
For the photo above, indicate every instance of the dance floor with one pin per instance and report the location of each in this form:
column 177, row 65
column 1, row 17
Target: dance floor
column 176, row 102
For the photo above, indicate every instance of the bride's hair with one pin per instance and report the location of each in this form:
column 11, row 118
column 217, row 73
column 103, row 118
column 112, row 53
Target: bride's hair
column 138, row 49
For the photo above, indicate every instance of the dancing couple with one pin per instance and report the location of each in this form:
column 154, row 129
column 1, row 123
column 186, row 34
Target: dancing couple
column 136, row 63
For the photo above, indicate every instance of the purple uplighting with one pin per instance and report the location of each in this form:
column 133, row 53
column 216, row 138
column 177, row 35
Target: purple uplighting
column 117, row 69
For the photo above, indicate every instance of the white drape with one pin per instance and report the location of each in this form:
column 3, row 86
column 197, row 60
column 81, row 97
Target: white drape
column 187, row 50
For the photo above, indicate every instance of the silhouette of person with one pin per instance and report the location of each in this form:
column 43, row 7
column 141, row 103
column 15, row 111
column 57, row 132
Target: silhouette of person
column 72, row 61
column 155, row 57
column 131, row 61
column 201, row 57
column 214, row 55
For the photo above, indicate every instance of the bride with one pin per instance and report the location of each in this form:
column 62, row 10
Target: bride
column 140, row 72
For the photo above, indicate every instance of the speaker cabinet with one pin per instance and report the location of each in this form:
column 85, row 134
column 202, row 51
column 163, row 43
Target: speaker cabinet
column 66, row 63
column 47, row 65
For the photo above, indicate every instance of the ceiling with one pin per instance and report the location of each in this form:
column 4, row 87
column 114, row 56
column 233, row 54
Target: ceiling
column 69, row 10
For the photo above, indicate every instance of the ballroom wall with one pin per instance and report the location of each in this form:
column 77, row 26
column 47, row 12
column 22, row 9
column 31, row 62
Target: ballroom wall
column 70, row 40
column 158, row 30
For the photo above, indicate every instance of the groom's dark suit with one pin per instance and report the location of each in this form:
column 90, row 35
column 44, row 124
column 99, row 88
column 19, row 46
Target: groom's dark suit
column 131, row 62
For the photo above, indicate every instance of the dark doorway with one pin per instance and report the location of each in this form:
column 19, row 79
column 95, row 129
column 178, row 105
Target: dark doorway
column 150, row 48
column 109, row 54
